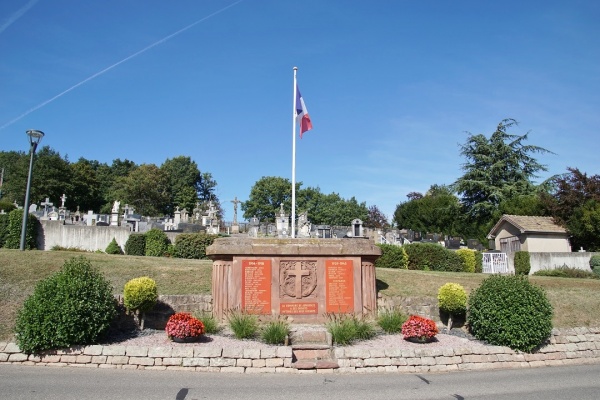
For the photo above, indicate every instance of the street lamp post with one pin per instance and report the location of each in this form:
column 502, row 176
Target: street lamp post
column 34, row 139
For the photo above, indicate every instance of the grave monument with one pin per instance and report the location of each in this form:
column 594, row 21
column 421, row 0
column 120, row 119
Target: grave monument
column 304, row 279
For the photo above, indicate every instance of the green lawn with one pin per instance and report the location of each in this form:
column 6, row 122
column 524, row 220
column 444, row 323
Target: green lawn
column 576, row 301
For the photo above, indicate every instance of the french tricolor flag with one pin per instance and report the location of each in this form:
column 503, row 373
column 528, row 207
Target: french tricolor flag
column 302, row 116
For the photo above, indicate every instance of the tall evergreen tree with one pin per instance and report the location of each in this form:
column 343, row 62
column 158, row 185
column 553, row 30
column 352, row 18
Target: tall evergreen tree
column 497, row 169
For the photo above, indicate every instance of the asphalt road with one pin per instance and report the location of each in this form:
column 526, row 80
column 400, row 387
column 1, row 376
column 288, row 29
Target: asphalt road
column 575, row 382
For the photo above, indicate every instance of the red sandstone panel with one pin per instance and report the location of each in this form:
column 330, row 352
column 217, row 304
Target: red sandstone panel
column 256, row 286
column 298, row 308
column 339, row 286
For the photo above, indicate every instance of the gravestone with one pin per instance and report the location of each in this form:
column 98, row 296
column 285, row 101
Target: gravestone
column 254, row 225
column 283, row 224
column 303, row 279
column 114, row 220
column 357, row 228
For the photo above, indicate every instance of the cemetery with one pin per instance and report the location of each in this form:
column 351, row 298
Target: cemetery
column 310, row 277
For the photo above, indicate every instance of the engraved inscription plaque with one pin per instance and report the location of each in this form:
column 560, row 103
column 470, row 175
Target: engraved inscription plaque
column 256, row 286
column 339, row 291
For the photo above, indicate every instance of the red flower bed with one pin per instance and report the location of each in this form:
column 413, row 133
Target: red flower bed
column 419, row 328
column 183, row 325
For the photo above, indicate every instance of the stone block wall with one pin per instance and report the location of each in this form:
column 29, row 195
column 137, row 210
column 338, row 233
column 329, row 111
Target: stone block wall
column 565, row 347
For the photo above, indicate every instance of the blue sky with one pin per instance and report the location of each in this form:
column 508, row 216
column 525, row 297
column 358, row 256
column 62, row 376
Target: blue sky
column 392, row 87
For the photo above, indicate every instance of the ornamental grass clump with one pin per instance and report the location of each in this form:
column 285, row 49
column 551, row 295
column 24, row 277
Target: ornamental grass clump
column 452, row 299
column 211, row 325
column 184, row 326
column 391, row 320
column 243, row 324
column 419, row 329
column 275, row 332
column 347, row 328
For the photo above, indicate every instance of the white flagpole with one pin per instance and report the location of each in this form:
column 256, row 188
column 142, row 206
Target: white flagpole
column 294, row 158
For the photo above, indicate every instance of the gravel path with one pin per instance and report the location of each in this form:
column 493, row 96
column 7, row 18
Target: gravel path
column 154, row 338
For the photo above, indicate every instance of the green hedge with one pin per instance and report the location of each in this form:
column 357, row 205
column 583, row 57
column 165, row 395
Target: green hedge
column 392, row 256
column 468, row 259
column 192, row 245
column 136, row 245
column 522, row 263
column 4, row 220
column 478, row 262
column 432, row 257
column 13, row 234
column 157, row 243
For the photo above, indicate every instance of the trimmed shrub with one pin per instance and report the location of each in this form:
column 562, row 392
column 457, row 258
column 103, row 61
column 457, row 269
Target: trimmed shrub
column 192, row 245
column 183, row 326
column 467, row 257
column 432, row 257
column 567, row 272
column 595, row 261
column 139, row 296
column 522, row 263
column 74, row 306
column 391, row 320
column 392, row 256
column 510, row 311
column 113, row 248
column 136, row 245
column 422, row 329
column 478, row 262
column 13, row 234
column 157, row 243
column 452, row 299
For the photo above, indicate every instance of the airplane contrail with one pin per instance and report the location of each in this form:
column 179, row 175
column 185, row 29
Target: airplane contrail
column 97, row 74
column 17, row 15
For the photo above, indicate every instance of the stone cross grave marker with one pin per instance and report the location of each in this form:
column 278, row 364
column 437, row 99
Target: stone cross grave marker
column 47, row 204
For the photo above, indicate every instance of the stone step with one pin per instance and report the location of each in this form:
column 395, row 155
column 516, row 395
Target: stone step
column 310, row 335
column 315, row 357
column 315, row 364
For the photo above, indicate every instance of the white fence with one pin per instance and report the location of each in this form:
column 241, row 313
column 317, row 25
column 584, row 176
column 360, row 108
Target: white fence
column 495, row 263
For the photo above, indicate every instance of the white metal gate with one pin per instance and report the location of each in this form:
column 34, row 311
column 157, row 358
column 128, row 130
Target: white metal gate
column 495, row 263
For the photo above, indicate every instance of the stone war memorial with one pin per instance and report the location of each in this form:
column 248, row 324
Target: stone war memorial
column 302, row 279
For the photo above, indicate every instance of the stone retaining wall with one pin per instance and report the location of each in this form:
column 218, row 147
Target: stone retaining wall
column 565, row 347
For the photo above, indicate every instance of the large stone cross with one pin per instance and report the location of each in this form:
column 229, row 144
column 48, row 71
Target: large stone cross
column 63, row 199
column 235, row 202
column 298, row 272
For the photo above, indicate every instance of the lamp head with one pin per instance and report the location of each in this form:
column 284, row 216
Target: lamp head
column 35, row 136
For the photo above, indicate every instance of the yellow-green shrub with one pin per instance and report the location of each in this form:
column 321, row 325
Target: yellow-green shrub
column 140, row 294
column 468, row 259
column 452, row 298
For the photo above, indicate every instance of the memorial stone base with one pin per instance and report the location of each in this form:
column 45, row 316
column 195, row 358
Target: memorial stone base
column 302, row 279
